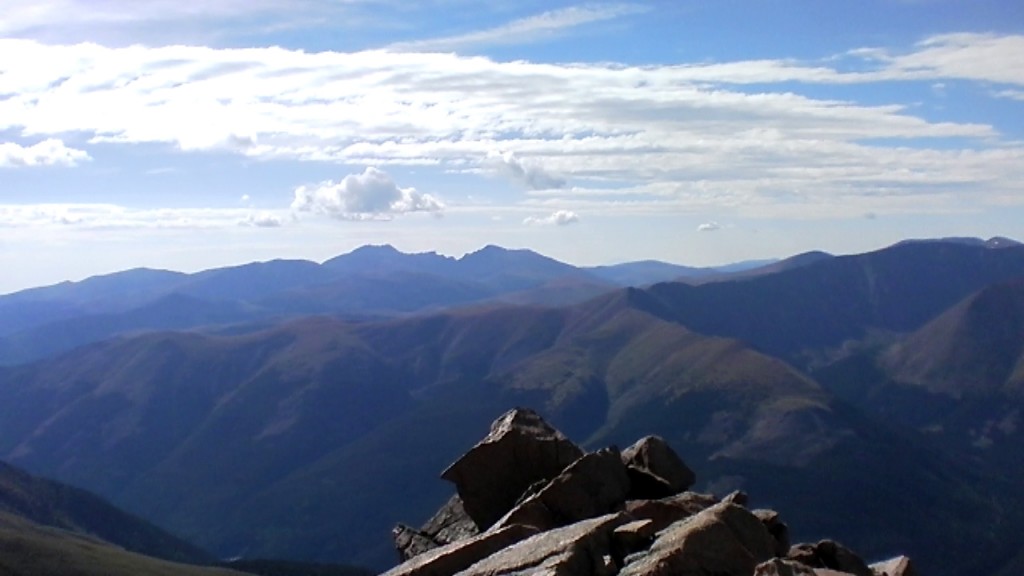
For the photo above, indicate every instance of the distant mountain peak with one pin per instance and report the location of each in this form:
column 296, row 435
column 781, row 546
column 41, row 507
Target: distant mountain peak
column 994, row 242
column 376, row 249
column 1001, row 242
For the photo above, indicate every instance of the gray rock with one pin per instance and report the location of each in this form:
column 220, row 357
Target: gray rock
column 898, row 566
column 633, row 537
column 831, row 555
column 666, row 511
column 450, row 523
column 450, row 559
column 724, row 539
column 410, row 542
column 781, row 567
column 580, row 549
column 594, row 485
column 653, row 456
column 520, row 450
column 737, row 497
column 777, row 528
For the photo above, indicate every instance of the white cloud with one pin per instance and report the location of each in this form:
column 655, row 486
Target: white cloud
column 372, row 195
column 1011, row 94
column 525, row 29
column 557, row 218
column 529, row 174
column 655, row 138
column 262, row 220
column 969, row 56
column 157, row 21
column 709, row 227
column 97, row 216
column 49, row 152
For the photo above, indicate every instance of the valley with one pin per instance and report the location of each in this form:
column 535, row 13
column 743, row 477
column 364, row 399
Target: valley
column 298, row 411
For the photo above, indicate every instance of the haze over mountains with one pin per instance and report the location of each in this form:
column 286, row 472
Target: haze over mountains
column 289, row 409
column 372, row 281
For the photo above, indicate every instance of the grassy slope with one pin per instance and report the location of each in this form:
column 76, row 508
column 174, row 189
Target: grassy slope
column 29, row 548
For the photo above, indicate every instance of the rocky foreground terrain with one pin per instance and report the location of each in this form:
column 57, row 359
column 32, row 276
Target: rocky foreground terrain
column 531, row 502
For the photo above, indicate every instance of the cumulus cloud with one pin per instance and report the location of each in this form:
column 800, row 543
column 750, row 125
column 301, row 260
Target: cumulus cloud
column 557, row 218
column 529, row 174
column 50, row 152
column 372, row 195
column 709, row 226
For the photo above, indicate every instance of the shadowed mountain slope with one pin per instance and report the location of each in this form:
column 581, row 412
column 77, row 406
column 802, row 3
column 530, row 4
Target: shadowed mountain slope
column 976, row 349
column 307, row 440
column 50, row 503
column 371, row 281
column 799, row 314
column 27, row 548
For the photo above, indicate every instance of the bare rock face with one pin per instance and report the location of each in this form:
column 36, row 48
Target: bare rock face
column 521, row 449
column 830, row 555
column 450, row 523
column 633, row 537
column 410, row 542
column 580, row 549
column 777, row 528
column 594, row 485
column 455, row 557
column 656, row 470
column 667, row 511
column 898, row 566
column 724, row 539
column 530, row 502
column 780, row 567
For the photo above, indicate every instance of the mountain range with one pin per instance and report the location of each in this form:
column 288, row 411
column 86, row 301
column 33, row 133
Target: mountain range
column 370, row 282
column 290, row 409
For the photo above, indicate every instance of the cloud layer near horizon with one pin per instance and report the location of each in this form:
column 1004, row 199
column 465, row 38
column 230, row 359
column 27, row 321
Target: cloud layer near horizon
column 620, row 138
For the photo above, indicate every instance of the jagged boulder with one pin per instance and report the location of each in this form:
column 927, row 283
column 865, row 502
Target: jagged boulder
column 410, row 542
column 724, row 539
column 655, row 470
column 632, row 537
column 450, row 523
column 782, row 567
column 777, row 528
column 831, row 555
column 581, row 549
column 520, row 450
column 545, row 507
column 455, row 557
column 666, row 511
column 898, row 566
column 593, row 485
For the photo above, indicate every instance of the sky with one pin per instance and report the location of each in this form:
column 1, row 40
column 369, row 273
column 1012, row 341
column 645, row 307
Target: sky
column 190, row 135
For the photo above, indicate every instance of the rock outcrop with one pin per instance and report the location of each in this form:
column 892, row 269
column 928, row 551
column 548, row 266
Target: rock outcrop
column 520, row 450
column 531, row 502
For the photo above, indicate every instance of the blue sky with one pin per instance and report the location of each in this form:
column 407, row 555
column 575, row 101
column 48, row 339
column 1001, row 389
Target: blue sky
column 185, row 135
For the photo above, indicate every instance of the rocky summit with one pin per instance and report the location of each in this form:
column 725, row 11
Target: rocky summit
column 529, row 501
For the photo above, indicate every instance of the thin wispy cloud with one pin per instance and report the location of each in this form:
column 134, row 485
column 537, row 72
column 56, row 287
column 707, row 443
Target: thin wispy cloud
column 524, row 30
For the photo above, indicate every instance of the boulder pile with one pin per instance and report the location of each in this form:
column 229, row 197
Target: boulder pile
column 529, row 501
